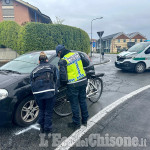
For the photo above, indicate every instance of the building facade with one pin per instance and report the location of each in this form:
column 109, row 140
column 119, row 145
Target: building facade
column 120, row 41
column 21, row 12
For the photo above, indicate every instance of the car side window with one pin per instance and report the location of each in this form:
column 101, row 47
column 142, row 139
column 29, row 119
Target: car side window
column 147, row 51
column 55, row 61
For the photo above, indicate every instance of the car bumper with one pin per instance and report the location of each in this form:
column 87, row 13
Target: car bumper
column 5, row 118
column 6, row 110
column 125, row 65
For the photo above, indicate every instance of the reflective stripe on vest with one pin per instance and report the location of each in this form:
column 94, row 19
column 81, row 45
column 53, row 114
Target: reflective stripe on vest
column 75, row 69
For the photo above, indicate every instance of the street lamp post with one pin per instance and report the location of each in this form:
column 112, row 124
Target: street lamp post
column 91, row 32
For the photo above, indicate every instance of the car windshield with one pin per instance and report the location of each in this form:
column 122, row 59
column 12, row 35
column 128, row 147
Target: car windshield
column 24, row 64
column 138, row 47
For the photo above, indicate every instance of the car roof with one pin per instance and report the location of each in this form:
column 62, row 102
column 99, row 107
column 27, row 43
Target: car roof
column 47, row 51
column 51, row 51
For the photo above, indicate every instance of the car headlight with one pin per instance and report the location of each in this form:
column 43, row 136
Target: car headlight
column 3, row 94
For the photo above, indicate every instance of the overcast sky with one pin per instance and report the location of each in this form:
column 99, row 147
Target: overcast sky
column 118, row 15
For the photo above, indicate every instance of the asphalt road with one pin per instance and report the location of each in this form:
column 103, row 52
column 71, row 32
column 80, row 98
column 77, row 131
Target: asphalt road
column 117, row 83
column 128, row 122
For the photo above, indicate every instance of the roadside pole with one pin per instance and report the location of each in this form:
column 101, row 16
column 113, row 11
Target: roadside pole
column 100, row 33
column 91, row 42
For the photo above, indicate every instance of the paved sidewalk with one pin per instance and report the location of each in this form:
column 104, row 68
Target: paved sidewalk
column 97, row 60
column 129, row 121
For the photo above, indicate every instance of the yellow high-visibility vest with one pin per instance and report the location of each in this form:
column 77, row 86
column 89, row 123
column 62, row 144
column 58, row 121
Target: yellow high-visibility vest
column 75, row 69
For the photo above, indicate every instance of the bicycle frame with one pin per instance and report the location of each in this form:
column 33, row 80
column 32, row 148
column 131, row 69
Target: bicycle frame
column 90, row 84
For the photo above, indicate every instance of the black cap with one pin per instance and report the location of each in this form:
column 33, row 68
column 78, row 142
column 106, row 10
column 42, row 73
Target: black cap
column 59, row 48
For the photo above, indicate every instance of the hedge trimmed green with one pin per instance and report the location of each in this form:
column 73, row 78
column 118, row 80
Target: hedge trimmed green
column 38, row 36
column 9, row 34
column 73, row 38
column 35, row 36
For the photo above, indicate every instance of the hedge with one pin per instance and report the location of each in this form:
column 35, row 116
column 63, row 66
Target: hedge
column 72, row 37
column 9, row 34
column 39, row 36
column 35, row 36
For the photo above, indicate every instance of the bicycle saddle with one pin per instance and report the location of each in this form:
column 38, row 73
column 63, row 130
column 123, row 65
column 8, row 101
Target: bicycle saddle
column 98, row 75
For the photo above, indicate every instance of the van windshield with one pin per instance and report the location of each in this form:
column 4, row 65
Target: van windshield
column 138, row 47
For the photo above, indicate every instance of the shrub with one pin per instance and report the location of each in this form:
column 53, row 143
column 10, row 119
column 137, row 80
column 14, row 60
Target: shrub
column 9, row 34
column 72, row 37
column 35, row 36
column 39, row 36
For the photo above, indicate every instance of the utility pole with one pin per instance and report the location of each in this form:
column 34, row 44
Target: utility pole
column 91, row 34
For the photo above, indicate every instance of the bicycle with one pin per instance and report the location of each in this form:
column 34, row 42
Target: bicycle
column 93, row 93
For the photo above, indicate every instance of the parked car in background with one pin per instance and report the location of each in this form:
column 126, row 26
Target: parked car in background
column 17, row 102
column 137, row 58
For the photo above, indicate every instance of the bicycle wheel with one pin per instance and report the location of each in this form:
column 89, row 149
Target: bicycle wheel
column 62, row 107
column 94, row 89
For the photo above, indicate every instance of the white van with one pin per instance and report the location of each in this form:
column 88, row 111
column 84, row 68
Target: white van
column 137, row 58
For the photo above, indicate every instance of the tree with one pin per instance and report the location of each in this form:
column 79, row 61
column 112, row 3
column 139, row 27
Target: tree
column 59, row 20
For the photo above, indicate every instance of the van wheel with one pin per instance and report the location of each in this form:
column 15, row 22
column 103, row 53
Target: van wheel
column 26, row 112
column 140, row 67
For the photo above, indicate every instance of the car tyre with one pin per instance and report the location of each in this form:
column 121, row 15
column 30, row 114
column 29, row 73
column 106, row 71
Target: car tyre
column 27, row 112
column 140, row 67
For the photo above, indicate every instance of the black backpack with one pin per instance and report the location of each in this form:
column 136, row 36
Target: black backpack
column 42, row 81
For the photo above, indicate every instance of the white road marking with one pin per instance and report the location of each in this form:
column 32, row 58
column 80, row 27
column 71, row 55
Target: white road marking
column 74, row 137
column 35, row 126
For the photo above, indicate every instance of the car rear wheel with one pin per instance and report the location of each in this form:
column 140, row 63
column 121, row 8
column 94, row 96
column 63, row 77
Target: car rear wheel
column 26, row 112
column 140, row 67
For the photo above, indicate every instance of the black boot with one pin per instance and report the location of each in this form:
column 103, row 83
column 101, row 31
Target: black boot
column 73, row 126
column 84, row 123
column 41, row 130
column 47, row 131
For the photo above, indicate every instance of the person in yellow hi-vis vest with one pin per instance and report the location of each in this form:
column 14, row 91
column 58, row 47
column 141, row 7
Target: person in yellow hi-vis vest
column 72, row 73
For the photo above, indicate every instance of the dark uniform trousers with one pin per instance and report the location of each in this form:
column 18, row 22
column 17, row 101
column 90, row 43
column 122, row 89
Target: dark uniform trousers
column 77, row 98
column 45, row 112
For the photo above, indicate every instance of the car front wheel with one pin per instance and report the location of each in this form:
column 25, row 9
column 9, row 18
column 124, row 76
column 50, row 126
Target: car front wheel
column 26, row 112
column 140, row 67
